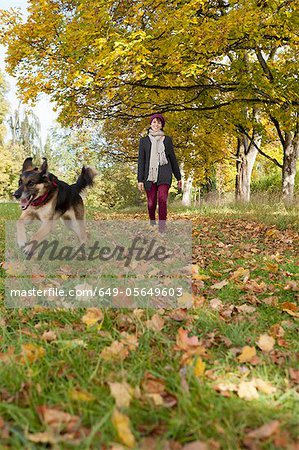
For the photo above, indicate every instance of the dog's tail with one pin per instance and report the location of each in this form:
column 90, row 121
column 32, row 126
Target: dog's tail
column 85, row 178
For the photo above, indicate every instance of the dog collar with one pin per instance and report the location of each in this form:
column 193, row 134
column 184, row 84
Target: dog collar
column 40, row 200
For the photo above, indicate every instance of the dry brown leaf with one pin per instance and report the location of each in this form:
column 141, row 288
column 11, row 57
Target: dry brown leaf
column 276, row 331
column 122, row 425
column 115, row 352
column 199, row 368
column 185, row 301
column 264, row 431
column 247, row 354
column 156, row 323
column 92, row 316
column 81, row 395
column 129, row 340
column 266, row 343
column 294, row 375
column 196, row 445
column 184, row 342
column 247, row 390
column 273, row 268
column 290, row 308
column 264, row 386
column 216, row 303
column 58, row 420
column 122, row 394
column 241, row 272
column 246, row 309
column 31, row 353
column 46, row 437
column 49, row 336
column 219, row 285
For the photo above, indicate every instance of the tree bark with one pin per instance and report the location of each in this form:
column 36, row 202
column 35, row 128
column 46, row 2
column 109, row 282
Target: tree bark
column 246, row 156
column 290, row 157
column 187, row 190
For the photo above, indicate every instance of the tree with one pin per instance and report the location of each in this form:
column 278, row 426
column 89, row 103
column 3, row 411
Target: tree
column 25, row 130
column 126, row 59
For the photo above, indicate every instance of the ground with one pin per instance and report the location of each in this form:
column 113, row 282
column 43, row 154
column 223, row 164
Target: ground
column 222, row 373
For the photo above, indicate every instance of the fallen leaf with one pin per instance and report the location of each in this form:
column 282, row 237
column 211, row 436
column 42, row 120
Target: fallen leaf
column 185, row 301
column 216, row 303
column 184, row 342
column 58, row 420
column 122, row 393
column 246, row 309
column 129, row 340
column 156, row 323
column 178, row 315
column 201, row 277
column 92, row 316
column 276, row 331
column 31, row 353
column 290, row 308
column 152, row 384
column 196, row 445
column 241, row 272
column 294, row 375
column 122, row 425
column 199, row 368
column 219, row 285
column 264, row 431
column 81, row 395
column 116, row 351
column 247, row 390
column 247, row 354
column 49, row 336
column 46, row 437
column 264, row 386
column 273, row 268
column 266, row 343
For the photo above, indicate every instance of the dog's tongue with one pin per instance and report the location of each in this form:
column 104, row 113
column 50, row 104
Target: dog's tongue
column 25, row 202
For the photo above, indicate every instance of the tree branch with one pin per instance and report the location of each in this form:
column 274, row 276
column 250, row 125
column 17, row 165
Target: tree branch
column 264, row 65
column 277, row 126
column 274, row 160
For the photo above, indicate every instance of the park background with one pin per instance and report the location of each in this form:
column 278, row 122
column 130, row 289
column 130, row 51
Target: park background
column 221, row 370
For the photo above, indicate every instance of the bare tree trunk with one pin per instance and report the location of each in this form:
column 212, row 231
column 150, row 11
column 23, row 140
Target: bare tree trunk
column 246, row 156
column 187, row 190
column 290, row 156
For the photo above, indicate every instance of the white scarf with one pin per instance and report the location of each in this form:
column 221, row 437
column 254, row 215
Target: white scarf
column 158, row 156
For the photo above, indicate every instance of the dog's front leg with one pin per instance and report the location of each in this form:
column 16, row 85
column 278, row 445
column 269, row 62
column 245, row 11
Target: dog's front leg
column 45, row 228
column 21, row 231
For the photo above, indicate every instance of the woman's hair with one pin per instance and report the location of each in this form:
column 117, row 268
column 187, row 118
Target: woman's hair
column 157, row 118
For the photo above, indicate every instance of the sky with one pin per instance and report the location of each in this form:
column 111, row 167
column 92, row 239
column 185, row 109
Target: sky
column 44, row 108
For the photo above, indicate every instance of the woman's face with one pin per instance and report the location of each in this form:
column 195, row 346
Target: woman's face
column 156, row 124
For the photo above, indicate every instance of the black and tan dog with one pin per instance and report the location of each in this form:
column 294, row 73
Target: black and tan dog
column 42, row 196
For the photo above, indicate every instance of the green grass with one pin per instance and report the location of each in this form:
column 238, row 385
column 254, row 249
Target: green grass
column 202, row 413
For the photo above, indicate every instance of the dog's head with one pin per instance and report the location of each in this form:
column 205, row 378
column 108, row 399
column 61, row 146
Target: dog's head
column 34, row 182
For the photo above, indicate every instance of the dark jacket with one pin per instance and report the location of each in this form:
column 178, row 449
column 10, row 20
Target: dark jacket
column 165, row 171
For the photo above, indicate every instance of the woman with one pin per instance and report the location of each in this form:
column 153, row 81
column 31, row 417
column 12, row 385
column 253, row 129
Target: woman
column 156, row 163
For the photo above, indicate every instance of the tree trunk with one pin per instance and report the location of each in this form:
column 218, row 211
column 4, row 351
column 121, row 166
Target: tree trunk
column 246, row 155
column 290, row 156
column 187, row 190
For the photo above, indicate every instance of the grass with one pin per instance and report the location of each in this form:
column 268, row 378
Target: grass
column 222, row 244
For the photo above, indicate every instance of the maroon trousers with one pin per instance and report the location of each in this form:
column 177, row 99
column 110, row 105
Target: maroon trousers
column 158, row 194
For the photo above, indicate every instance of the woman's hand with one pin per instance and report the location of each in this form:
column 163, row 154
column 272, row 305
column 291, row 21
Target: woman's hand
column 140, row 187
column 180, row 184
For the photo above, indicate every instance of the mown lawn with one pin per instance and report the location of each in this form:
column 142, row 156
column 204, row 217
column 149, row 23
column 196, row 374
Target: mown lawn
column 58, row 389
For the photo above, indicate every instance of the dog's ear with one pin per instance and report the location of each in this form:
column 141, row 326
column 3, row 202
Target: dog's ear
column 44, row 167
column 27, row 165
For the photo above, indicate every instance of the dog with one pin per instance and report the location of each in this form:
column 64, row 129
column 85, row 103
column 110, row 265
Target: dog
column 44, row 197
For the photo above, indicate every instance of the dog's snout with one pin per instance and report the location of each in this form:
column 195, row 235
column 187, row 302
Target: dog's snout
column 17, row 194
